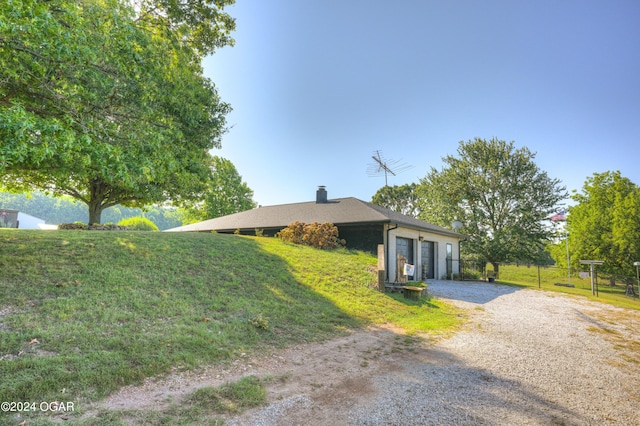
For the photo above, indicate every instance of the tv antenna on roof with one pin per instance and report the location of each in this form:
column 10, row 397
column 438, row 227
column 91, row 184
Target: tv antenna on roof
column 382, row 165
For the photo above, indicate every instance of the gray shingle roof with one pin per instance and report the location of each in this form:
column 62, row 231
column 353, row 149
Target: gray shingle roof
column 339, row 211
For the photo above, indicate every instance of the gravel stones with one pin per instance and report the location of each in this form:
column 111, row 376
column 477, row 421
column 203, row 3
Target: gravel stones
column 526, row 357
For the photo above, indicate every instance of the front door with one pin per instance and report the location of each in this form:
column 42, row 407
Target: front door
column 428, row 260
column 404, row 247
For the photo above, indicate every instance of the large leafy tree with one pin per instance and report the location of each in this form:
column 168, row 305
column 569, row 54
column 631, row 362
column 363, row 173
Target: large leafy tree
column 202, row 24
column 605, row 223
column 402, row 199
column 499, row 194
column 107, row 103
column 225, row 194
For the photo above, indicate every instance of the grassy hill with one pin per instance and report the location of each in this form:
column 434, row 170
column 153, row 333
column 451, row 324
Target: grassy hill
column 84, row 313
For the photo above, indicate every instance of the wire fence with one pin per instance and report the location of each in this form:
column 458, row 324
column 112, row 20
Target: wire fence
column 539, row 275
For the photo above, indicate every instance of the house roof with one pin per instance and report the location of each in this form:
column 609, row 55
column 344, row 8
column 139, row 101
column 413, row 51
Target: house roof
column 339, row 211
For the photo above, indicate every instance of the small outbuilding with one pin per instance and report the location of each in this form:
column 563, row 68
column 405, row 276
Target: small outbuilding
column 17, row 219
column 433, row 250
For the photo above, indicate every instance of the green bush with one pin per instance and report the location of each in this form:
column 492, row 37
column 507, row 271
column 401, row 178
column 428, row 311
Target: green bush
column 138, row 223
column 318, row 235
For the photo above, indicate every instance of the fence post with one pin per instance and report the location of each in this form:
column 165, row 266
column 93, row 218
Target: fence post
column 381, row 267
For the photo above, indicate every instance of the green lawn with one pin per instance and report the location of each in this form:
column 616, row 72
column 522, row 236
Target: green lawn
column 549, row 277
column 83, row 313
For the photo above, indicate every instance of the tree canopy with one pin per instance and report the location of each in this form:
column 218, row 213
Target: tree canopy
column 225, row 194
column 605, row 223
column 499, row 194
column 402, row 199
column 107, row 103
column 200, row 23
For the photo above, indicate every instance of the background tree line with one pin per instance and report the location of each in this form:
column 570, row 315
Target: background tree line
column 58, row 210
column 604, row 224
column 226, row 193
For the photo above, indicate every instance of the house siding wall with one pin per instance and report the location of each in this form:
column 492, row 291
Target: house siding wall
column 362, row 237
column 357, row 237
column 440, row 249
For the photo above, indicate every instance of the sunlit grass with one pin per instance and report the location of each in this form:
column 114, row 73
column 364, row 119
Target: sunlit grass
column 549, row 278
column 83, row 313
column 353, row 290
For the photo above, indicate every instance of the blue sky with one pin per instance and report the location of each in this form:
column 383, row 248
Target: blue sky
column 317, row 86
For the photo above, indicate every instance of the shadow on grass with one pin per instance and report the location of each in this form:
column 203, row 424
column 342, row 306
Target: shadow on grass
column 85, row 313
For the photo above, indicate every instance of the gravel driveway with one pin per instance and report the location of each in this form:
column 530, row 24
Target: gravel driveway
column 525, row 357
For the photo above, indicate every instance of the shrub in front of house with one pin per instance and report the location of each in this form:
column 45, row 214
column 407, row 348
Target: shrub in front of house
column 138, row 223
column 318, row 235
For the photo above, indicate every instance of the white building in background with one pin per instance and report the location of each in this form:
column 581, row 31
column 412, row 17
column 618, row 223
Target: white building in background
column 26, row 221
column 20, row 220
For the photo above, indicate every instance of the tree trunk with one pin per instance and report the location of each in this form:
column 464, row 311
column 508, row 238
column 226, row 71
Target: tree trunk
column 95, row 211
column 96, row 203
column 496, row 269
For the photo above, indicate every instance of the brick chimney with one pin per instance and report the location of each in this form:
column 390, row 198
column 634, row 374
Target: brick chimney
column 321, row 195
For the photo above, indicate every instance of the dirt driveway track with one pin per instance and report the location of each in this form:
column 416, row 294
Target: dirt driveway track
column 524, row 357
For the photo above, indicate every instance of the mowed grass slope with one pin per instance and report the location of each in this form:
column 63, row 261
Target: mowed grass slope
column 83, row 313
